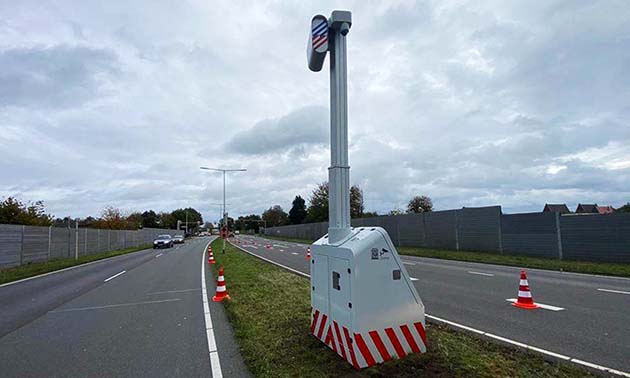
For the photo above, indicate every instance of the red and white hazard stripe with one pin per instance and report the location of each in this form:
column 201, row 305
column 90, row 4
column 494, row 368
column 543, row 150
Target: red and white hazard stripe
column 374, row 347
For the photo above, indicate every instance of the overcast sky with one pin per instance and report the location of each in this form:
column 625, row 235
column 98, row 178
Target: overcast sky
column 472, row 103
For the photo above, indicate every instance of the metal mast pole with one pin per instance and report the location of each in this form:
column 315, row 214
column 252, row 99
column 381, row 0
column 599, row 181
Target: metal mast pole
column 224, row 209
column 339, row 170
column 224, row 214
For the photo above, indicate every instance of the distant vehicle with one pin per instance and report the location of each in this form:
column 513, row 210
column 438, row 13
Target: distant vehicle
column 163, row 241
column 178, row 239
column 237, row 232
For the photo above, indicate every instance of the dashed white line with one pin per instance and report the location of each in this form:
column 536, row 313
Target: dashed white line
column 115, row 275
column 158, row 255
column 413, row 279
column 482, row 274
column 614, row 291
column 483, row 333
column 215, row 363
column 294, row 253
column 544, row 306
column 408, row 263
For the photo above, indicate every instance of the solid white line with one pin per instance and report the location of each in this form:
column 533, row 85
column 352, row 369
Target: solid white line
column 158, row 255
column 273, row 262
column 614, row 291
column 215, row 363
column 112, row 306
column 541, row 305
column 470, row 329
column 115, row 275
column 481, row 274
column 599, row 367
column 70, row 268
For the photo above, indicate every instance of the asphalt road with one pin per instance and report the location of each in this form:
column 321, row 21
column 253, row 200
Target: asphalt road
column 146, row 322
column 593, row 326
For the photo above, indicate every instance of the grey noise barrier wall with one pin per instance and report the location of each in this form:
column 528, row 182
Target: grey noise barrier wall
column 588, row 237
column 21, row 245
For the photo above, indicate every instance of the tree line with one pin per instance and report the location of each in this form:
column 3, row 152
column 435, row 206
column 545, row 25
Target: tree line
column 14, row 211
column 317, row 210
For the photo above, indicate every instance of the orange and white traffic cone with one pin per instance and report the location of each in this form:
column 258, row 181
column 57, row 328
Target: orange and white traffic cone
column 268, row 246
column 524, row 299
column 221, row 292
column 211, row 258
column 308, row 253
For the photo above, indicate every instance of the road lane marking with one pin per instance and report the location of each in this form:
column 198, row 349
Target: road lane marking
column 282, row 250
column 294, row 253
column 113, row 306
column 172, row 291
column 545, row 306
column 614, row 291
column 483, row 333
column 115, row 275
column 273, row 262
column 529, row 347
column 158, row 255
column 481, row 274
column 73, row 267
column 413, row 279
column 408, row 263
column 215, row 363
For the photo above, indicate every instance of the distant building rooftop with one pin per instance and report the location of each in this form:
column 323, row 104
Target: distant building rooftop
column 556, row 208
column 605, row 209
column 583, row 208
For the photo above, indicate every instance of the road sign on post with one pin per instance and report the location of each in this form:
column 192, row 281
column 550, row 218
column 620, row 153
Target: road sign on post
column 364, row 305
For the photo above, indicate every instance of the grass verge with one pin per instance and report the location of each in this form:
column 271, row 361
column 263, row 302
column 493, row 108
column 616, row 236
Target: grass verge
column 270, row 310
column 607, row 269
column 34, row 269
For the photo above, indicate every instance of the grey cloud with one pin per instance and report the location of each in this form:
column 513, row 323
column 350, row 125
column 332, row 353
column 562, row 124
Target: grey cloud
column 290, row 133
column 55, row 76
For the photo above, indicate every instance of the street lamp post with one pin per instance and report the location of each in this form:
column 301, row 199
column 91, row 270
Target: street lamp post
column 225, row 224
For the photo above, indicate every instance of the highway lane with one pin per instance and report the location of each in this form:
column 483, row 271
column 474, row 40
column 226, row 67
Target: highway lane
column 22, row 302
column 593, row 325
column 146, row 322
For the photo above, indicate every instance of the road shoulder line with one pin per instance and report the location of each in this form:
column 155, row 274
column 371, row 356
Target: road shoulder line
column 215, row 363
column 515, row 343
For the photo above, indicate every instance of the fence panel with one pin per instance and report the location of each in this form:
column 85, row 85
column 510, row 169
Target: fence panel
column 604, row 237
column 35, row 244
column 530, row 234
column 59, row 247
column 439, row 228
column 411, row 230
column 479, row 229
column 10, row 245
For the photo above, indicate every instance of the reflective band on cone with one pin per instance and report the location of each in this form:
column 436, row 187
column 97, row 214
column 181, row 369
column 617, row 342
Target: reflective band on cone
column 308, row 253
column 221, row 292
column 524, row 299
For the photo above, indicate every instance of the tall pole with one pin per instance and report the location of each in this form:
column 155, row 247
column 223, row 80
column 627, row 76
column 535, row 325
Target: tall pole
column 225, row 221
column 224, row 209
column 339, row 171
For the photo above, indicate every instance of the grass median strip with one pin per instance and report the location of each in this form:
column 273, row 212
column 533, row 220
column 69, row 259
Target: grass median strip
column 608, row 269
column 270, row 310
column 34, row 269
